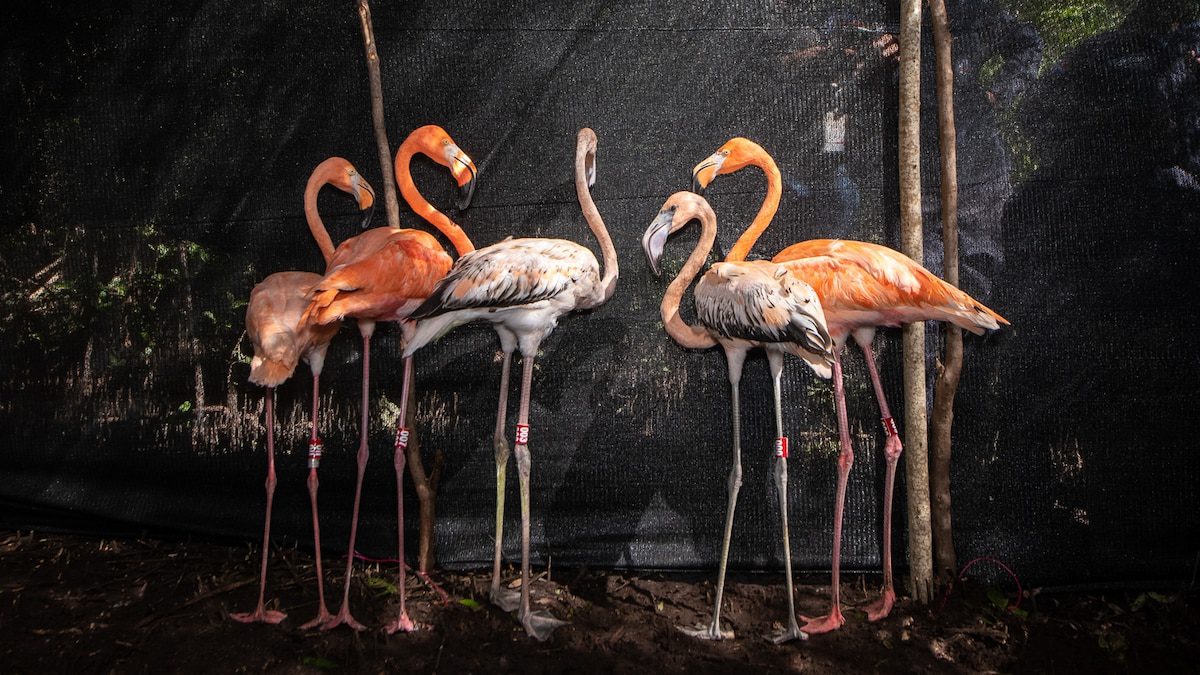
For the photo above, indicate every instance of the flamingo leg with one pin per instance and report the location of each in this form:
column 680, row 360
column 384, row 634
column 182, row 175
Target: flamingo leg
column 538, row 625
column 402, row 623
column 891, row 450
column 735, row 357
column 314, row 460
column 367, row 328
column 834, row 619
column 793, row 631
column 504, row 598
column 260, row 613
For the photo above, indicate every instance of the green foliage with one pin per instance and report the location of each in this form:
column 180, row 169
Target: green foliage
column 320, row 663
column 470, row 604
column 382, row 585
column 1065, row 23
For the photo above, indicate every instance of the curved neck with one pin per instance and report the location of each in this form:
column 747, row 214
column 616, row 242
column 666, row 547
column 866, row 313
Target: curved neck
column 590, row 213
column 423, row 208
column 316, row 181
column 687, row 335
column 765, row 214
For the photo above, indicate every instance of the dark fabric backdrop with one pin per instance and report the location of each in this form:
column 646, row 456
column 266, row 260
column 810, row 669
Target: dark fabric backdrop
column 155, row 160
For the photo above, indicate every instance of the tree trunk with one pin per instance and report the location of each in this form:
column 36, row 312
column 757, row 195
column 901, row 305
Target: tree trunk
column 416, row 468
column 916, row 465
column 946, row 387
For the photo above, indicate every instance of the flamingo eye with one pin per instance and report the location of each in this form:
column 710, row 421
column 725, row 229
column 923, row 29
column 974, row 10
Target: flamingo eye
column 445, row 141
column 725, row 153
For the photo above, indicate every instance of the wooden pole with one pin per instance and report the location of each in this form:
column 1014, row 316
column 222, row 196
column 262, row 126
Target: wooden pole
column 946, row 387
column 916, row 464
column 391, row 206
column 416, row 468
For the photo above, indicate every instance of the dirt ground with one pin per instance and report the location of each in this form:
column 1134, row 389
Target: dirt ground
column 82, row 605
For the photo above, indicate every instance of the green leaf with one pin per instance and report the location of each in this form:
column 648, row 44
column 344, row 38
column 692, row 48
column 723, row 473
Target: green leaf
column 1138, row 602
column 185, row 406
column 381, row 584
column 319, row 662
column 1019, row 613
column 997, row 598
column 1159, row 597
column 470, row 604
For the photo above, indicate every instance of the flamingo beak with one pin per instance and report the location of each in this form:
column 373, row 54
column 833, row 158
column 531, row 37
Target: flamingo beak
column 706, row 171
column 364, row 194
column 464, row 172
column 655, row 238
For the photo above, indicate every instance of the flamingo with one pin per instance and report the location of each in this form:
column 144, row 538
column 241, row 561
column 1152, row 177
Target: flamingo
column 741, row 306
column 862, row 286
column 382, row 275
column 280, row 342
column 523, row 286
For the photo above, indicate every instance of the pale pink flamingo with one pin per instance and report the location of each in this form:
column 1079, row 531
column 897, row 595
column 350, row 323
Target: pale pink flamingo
column 861, row 286
column 523, row 286
column 382, row 275
column 741, row 306
column 280, row 342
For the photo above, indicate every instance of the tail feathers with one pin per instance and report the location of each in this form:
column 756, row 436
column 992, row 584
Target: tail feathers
column 270, row 372
column 429, row 330
column 977, row 318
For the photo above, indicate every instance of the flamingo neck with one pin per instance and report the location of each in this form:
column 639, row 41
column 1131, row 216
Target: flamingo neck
column 691, row 337
column 590, row 213
column 423, row 208
column 319, row 178
column 766, row 213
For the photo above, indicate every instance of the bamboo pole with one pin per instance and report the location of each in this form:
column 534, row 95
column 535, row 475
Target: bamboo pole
column 916, row 465
column 946, row 387
column 416, row 468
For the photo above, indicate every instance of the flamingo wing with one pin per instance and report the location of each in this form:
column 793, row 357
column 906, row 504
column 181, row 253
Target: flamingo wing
column 510, row 273
column 763, row 302
column 860, row 277
column 378, row 279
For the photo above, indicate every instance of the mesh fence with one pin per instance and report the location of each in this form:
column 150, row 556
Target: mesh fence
column 156, row 160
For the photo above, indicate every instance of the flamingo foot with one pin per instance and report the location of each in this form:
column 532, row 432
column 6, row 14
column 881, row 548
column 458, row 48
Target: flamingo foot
column 825, row 624
column 539, row 625
column 793, row 632
column 506, row 599
column 882, row 607
column 710, row 632
column 323, row 617
column 259, row 615
column 343, row 617
column 402, row 625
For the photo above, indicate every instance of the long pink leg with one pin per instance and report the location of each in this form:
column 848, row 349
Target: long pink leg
column 834, row 619
column 891, row 451
column 367, row 328
column 402, row 622
column 260, row 613
column 504, row 598
column 315, row 448
column 538, row 625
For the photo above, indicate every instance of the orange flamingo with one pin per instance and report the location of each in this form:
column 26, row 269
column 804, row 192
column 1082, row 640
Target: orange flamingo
column 382, row 275
column 523, row 286
column 740, row 306
column 280, row 342
column 861, row 286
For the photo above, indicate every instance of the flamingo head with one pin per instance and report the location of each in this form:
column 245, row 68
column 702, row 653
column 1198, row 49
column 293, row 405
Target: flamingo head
column 433, row 142
column 736, row 154
column 679, row 209
column 346, row 178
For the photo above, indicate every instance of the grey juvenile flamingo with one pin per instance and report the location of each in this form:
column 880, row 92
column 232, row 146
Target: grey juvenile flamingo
column 740, row 306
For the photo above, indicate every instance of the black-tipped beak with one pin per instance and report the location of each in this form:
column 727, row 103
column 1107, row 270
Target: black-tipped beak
column 467, row 190
column 365, row 193
column 367, row 213
column 697, row 187
column 706, row 171
column 655, row 239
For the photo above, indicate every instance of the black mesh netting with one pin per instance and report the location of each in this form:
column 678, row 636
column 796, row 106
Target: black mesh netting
column 155, row 159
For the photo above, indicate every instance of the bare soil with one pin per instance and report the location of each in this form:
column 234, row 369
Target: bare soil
column 81, row 605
